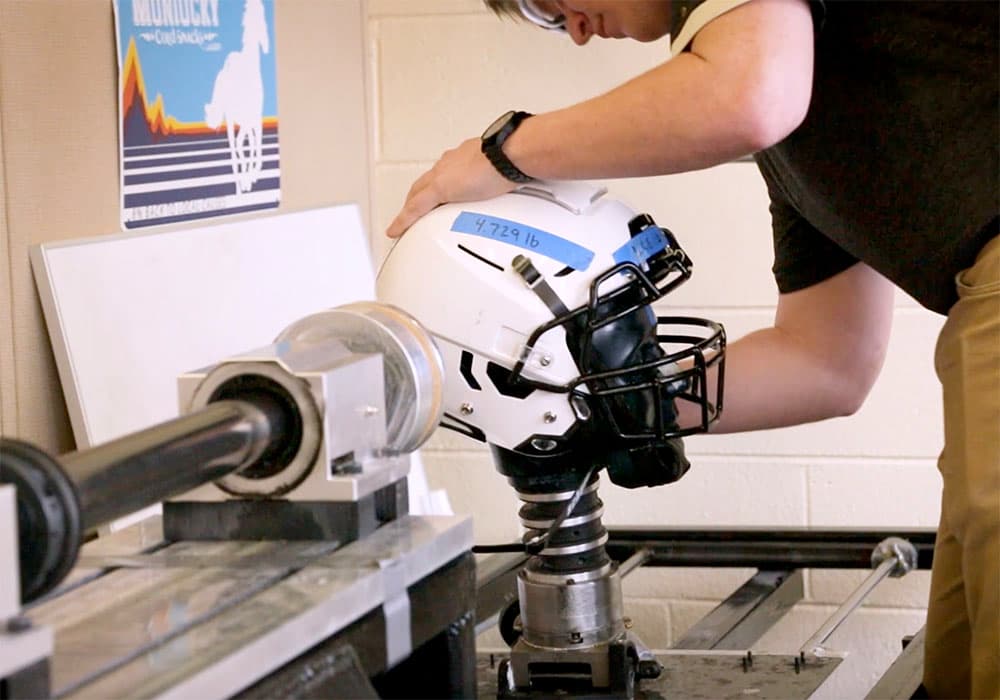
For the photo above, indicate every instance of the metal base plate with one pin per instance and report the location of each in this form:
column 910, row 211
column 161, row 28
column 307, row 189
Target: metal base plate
column 613, row 663
column 207, row 619
column 717, row 675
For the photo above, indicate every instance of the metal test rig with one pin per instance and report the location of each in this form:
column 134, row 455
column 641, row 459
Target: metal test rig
column 285, row 562
column 241, row 592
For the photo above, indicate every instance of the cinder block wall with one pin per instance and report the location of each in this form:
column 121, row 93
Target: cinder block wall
column 440, row 70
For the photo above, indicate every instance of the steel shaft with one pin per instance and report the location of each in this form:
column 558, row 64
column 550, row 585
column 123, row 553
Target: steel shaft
column 60, row 498
column 143, row 468
column 893, row 557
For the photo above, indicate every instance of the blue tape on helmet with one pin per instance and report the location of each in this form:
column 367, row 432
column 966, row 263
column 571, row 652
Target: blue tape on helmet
column 642, row 247
column 526, row 237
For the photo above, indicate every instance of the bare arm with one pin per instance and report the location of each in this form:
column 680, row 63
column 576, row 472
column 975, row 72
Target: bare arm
column 744, row 86
column 819, row 360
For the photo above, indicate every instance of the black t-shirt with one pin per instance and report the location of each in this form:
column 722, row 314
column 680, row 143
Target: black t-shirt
column 896, row 163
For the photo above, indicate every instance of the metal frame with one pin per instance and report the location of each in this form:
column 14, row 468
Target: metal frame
column 742, row 618
column 299, row 618
column 750, row 611
column 902, row 679
column 764, row 548
column 442, row 664
column 777, row 553
column 496, row 586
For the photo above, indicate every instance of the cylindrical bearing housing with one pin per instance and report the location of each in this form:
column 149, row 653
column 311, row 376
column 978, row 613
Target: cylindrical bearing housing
column 275, row 379
column 570, row 614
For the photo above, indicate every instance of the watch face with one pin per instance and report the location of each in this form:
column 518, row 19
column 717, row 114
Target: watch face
column 496, row 126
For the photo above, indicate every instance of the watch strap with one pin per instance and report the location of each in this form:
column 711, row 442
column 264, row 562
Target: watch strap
column 492, row 148
column 504, row 166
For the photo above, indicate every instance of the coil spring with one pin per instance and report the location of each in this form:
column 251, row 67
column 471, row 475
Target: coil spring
column 576, row 546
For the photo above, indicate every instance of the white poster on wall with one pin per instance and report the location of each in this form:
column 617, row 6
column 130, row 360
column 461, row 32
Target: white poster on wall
column 198, row 113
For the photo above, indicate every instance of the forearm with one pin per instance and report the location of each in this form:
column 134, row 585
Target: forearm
column 635, row 131
column 745, row 85
column 819, row 360
column 771, row 383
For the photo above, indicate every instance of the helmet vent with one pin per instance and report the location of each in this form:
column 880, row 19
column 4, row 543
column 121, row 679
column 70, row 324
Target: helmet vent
column 465, row 367
column 501, row 378
column 480, row 258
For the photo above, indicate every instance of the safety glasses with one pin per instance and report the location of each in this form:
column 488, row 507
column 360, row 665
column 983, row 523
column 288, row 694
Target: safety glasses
column 544, row 13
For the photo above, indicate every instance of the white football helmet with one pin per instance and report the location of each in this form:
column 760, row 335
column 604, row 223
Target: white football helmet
column 539, row 303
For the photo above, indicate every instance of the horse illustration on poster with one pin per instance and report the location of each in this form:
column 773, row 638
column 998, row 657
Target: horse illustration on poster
column 238, row 99
column 198, row 109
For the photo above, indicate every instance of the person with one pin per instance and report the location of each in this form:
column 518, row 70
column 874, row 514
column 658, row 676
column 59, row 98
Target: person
column 875, row 127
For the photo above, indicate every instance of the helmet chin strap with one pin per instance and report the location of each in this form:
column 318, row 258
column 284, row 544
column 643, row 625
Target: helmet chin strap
column 536, row 282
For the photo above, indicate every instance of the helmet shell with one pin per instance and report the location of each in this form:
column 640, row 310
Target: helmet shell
column 453, row 272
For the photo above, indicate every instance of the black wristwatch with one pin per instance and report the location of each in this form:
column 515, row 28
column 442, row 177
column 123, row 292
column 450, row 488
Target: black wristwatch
column 493, row 139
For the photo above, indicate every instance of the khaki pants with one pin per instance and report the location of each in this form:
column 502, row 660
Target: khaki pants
column 962, row 657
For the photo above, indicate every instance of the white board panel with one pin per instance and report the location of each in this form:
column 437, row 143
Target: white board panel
column 128, row 313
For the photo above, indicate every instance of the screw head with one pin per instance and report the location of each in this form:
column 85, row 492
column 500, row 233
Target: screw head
column 549, row 417
column 545, row 360
column 543, row 444
column 466, row 409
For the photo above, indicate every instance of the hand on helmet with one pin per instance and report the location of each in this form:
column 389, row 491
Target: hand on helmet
column 462, row 174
